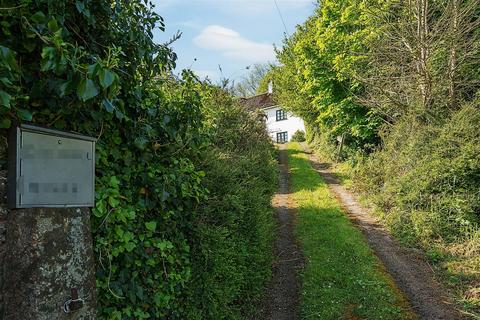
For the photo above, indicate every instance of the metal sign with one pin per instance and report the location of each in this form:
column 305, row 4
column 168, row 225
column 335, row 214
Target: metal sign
column 50, row 168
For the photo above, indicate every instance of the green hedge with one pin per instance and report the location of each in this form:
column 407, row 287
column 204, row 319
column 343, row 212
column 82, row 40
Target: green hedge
column 92, row 67
column 234, row 234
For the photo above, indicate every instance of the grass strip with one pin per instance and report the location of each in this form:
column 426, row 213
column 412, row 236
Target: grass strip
column 342, row 278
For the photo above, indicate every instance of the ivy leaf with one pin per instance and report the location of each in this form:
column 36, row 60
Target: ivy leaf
column 166, row 120
column 39, row 17
column 8, row 58
column 108, row 105
column 151, row 226
column 65, row 88
column 130, row 246
column 52, row 25
column 141, row 143
column 48, row 58
column 5, row 99
column 29, row 45
column 119, row 115
column 5, row 123
column 25, row 114
column 113, row 202
column 114, row 182
column 86, row 90
column 119, row 231
column 93, row 69
column 106, row 78
column 81, row 8
column 99, row 210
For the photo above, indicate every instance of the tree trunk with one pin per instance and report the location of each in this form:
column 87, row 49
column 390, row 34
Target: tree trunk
column 452, row 63
column 423, row 55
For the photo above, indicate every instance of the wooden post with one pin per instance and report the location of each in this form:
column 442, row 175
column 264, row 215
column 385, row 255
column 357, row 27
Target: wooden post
column 341, row 140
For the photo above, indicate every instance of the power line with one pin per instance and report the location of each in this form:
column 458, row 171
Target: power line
column 281, row 18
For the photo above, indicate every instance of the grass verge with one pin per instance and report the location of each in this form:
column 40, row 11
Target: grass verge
column 342, row 278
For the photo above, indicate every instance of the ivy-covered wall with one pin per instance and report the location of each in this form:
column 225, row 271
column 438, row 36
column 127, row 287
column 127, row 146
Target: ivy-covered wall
column 92, row 67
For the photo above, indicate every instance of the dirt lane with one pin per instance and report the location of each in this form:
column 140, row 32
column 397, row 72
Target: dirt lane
column 411, row 272
column 282, row 302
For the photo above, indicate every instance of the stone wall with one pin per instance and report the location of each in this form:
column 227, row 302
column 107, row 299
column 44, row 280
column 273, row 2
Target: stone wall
column 3, row 218
column 44, row 254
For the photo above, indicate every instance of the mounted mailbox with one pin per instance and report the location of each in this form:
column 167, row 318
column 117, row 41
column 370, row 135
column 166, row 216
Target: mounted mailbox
column 49, row 168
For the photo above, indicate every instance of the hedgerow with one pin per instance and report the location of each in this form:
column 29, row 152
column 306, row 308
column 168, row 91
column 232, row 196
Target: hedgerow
column 232, row 244
column 435, row 192
column 93, row 67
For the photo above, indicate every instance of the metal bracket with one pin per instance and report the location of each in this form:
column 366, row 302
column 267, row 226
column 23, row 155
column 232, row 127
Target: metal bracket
column 74, row 303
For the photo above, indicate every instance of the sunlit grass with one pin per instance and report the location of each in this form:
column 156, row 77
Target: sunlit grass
column 342, row 278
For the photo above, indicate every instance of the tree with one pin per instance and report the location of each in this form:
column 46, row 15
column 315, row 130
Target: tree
column 249, row 85
column 423, row 60
column 317, row 76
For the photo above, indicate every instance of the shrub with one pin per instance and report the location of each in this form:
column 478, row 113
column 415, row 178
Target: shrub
column 232, row 241
column 298, row 136
column 163, row 244
column 427, row 177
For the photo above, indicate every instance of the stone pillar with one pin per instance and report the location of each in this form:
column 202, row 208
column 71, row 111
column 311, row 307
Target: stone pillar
column 45, row 254
column 3, row 216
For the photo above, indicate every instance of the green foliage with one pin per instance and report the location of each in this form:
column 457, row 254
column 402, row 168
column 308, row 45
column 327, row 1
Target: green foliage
column 425, row 185
column 92, row 67
column 427, row 177
column 316, row 78
column 407, row 100
column 233, row 239
column 86, row 67
column 298, row 136
column 343, row 268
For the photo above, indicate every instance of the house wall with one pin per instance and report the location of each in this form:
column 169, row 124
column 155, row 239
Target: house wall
column 291, row 125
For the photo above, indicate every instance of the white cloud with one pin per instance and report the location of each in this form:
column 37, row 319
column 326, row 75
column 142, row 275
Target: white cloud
column 232, row 45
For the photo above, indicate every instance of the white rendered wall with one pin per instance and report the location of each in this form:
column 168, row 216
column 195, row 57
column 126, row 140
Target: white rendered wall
column 291, row 125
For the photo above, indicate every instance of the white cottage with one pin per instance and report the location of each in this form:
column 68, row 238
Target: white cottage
column 281, row 124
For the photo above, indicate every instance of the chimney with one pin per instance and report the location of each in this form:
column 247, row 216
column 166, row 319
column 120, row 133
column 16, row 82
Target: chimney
column 270, row 87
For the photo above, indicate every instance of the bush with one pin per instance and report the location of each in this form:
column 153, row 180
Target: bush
column 164, row 245
column 427, row 177
column 298, row 136
column 233, row 240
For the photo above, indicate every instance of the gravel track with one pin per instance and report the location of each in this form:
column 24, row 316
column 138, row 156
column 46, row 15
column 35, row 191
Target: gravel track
column 411, row 271
column 282, row 298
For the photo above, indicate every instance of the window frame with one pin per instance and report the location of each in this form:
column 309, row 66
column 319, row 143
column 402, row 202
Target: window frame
column 281, row 115
column 282, row 137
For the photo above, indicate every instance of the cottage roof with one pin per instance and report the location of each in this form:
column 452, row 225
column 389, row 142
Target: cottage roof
column 260, row 101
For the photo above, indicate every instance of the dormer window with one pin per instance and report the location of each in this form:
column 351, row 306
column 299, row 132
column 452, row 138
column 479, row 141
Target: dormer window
column 281, row 115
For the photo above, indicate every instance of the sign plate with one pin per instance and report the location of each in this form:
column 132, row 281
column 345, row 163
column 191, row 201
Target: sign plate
column 49, row 168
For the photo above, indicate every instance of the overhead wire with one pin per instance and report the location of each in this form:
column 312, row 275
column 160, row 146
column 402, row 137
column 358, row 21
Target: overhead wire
column 281, row 18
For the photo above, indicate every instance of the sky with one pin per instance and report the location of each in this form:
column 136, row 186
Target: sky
column 231, row 33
